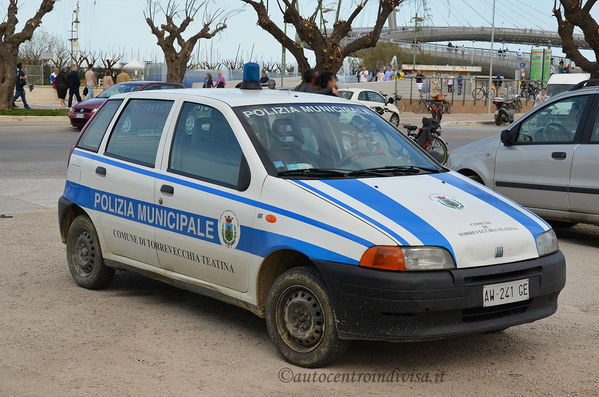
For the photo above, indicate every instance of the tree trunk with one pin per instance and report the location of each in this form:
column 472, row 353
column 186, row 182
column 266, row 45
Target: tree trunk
column 176, row 66
column 8, row 76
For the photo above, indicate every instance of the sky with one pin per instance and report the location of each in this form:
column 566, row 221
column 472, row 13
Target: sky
column 118, row 26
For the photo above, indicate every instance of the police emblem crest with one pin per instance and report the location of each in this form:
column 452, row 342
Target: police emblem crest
column 447, row 201
column 229, row 230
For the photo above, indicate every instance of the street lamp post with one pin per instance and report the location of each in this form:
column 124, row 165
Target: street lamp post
column 491, row 58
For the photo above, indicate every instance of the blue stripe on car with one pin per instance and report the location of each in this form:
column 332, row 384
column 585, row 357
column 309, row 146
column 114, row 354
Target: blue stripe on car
column 400, row 239
column 469, row 187
column 229, row 196
column 391, row 209
column 254, row 241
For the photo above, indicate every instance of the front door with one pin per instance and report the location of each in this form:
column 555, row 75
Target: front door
column 206, row 201
column 535, row 171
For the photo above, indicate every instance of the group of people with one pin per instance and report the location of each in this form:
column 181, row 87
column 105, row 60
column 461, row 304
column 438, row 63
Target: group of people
column 220, row 81
column 380, row 74
column 319, row 83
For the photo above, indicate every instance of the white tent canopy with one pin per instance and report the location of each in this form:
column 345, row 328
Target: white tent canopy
column 134, row 65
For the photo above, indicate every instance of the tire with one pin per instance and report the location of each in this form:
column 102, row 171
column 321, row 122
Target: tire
column 303, row 290
column 478, row 93
column 475, row 178
column 394, row 119
column 418, row 106
column 400, row 106
column 498, row 120
column 447, row 107
column 84, row 255
column 440, row 147
column 492, row 93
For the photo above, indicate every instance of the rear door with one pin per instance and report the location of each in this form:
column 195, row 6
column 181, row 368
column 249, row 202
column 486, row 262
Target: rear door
column 124, row 179
column 584, row 181
column 535, row 171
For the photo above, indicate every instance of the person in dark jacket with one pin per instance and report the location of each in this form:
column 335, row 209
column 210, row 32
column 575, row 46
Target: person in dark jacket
column 20, row 87
column 62, row 85
column 308, row 84
column 74, row 83
column 327, row 80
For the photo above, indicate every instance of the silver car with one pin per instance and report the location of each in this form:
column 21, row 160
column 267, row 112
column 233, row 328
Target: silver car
column 547, row 161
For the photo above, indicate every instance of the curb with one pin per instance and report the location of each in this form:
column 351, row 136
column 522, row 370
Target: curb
column 35, row 118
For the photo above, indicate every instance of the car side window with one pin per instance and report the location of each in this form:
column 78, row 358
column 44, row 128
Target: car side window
column 137, row 133
column 96, row 128
column 375, row 97
column 595, row 134
column 362, row 96
column 205, row 147
column 555, row 123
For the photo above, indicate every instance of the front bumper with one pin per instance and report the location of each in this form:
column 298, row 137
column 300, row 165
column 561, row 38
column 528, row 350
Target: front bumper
column 80, row 122
column 384, row 305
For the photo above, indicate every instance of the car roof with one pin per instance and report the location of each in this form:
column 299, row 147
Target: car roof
column 238, row 97
column 352, row 89
column 568, row 78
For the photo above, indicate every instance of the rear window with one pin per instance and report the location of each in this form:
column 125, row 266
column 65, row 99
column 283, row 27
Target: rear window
column 137, row 133
column 345, row 94
column 554, row 89
column 96, row 128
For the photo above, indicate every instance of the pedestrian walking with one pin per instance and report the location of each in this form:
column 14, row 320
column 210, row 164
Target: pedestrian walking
column 460, row 84
column 363, row 75
column 419, row 81
column 388, row 74
column 62, row 85
column 221, row 82
column 53, row 77
column 208, row 83
column 107, row 81
column 123, row 77
column 20, row 87
column 90, row 83
column 519, row 53
column 74, row 82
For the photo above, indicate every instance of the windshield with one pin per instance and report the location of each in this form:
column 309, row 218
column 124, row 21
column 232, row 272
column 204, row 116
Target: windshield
column 119, row 89
column 323, row 137
column 554, row 89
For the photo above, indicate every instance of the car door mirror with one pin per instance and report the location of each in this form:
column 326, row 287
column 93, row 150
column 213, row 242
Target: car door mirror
column 507, row 138
column 390, row 100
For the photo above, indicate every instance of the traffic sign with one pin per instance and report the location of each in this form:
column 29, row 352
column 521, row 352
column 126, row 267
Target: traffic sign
column 522, row 64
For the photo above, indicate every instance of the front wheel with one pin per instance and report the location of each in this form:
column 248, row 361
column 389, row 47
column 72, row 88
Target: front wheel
column 300, row 319
column 446, row 107
column 418, row 106
column 438, row 149
column 394, row 119
column 84, row 255
column 400, row 106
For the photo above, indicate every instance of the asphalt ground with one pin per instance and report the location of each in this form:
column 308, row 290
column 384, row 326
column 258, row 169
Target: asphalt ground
column 142, row 337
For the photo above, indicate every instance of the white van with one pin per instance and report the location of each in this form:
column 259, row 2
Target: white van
column 561, row 82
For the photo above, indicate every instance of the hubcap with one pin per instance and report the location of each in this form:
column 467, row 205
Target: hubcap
column 84, row 254
column 300, row 319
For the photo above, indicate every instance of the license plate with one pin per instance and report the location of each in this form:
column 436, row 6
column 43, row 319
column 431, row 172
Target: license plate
column 80, row 116
column 502, row 293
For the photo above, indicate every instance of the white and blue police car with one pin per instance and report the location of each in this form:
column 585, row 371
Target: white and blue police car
column 308, row 210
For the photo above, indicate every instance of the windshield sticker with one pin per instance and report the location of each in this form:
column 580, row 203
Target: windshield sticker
column 279, row 164
column 275, row 110
column 299, row 166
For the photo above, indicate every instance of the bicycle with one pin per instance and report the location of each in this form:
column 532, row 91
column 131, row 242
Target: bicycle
column 528, row 90
column 419, row 105
column 482, row 93
column 429, row 138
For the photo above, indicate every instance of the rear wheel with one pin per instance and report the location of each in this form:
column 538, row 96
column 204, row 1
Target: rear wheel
column 400, row 106
column 84, row 255
column 447, row 107
column 478, row 93
column 438, row 149
column 418, row 106
column 300, row 319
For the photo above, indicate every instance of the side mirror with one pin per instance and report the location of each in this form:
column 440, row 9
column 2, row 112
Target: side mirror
column 390, row 100
column 507, row 138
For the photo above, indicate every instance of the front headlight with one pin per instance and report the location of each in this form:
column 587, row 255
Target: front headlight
column 547, row 243
column 94, row 110
column 407, row 258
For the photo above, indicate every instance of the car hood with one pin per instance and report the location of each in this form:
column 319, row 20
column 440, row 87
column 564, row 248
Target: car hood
column 478, row 226
column 90, row 103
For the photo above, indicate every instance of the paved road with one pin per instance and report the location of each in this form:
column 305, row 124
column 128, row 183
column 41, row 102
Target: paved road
column 141, row 337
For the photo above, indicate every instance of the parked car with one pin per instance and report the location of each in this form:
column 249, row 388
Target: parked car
column 308, row 210
column 83, row 111
column 546, row 160
column 373, row 100
column 560, row 82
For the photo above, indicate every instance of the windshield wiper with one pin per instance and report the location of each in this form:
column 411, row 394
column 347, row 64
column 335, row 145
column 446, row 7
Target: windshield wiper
column 394, row 169
column 314, row 172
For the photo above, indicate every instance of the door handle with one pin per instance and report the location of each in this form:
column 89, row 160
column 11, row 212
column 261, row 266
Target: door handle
column 101, row 171
column 558, row 155
column 167, row 189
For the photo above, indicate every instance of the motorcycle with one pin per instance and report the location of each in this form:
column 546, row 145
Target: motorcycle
column 504, row 110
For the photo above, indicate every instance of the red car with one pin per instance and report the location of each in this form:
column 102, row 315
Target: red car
column 83, row 111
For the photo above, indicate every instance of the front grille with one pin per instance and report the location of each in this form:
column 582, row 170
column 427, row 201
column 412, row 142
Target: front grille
column 493, row 312
column 499, row 277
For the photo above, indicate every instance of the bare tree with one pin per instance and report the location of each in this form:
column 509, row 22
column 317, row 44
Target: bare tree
column 571, row 14
column 328, row 48
column 108, row 61
column 232, row 64
column 10, row 40
column 90, row 58
column 169, row 35
column 62, row 55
